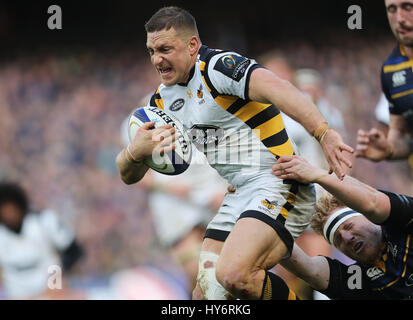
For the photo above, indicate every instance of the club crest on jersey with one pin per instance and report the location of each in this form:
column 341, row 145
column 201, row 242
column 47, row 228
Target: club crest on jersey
column 232, row 66
column 200, row 95
column 268, row 204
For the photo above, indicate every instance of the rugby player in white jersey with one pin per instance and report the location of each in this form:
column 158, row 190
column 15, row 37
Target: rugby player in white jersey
column 33, row 245
column 236, row 103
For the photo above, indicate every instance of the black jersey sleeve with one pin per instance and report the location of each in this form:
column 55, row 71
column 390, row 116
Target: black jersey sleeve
column 401, row 212
column 347, row 282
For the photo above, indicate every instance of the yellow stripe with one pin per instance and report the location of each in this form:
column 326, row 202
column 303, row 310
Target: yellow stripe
column 225, row 101
column 249, row 110
column 401, row 94
column 159, row 103
column 398, row 67
column 284, row 213
column 292, row 295
column 286, row 149
column 202, row 66
column 266, row 129
column 269, row 127
column 405, row 255
column 290, row 199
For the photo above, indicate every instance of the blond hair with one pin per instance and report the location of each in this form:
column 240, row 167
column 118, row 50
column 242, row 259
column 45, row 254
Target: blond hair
column 324, row 206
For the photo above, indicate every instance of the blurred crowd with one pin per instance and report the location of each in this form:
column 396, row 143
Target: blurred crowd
column 60, row 118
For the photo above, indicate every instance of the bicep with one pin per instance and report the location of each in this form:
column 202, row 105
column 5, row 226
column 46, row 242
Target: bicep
column 264, row 86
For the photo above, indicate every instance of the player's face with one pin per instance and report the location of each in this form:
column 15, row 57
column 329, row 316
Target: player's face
column 359, row 239
column 171, row 56
column 11, row 216
column 400, row 15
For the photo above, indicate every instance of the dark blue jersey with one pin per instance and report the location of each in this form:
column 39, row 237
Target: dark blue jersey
column 392, row 276
column 397, row 83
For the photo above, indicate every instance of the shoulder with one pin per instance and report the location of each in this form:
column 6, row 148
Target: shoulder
column 396, row 57
column 226, row 72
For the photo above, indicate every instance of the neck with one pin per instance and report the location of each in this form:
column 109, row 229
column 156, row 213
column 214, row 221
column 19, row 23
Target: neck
column 188, row 74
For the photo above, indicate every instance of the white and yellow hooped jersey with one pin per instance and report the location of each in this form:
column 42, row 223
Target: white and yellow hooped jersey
column 240, row 138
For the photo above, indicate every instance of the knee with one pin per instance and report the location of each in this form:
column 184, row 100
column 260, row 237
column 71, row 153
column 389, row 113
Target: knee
column 234, row 279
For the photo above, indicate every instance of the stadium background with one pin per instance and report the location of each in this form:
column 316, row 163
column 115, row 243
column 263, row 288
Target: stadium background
column 64, row 94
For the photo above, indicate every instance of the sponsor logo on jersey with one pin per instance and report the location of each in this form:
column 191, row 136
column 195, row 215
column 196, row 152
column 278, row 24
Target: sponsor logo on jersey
column 374, row 273
column 177, row 105
column 232, row 66
column 399, row 78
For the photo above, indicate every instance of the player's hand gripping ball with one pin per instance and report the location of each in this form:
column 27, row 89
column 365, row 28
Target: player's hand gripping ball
column 173, row 162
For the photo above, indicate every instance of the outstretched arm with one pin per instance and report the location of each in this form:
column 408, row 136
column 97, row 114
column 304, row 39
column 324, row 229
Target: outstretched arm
column 375, row 205
column 374, row 144
column 314, row 270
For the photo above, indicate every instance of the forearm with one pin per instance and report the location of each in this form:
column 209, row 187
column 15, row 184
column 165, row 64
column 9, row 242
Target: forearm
column 314, row 270
column 130, row 171
column 401, row 145
column 356, row 195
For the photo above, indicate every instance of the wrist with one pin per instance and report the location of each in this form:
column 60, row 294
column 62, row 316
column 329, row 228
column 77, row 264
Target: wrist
column 320, row 132
column 130, row 157
column 320, row 176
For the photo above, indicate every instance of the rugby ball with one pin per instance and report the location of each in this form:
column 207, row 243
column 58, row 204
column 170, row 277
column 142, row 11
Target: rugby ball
column 173, row 162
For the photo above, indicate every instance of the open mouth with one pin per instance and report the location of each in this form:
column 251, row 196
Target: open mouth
column 358, row 246
column 164, row 71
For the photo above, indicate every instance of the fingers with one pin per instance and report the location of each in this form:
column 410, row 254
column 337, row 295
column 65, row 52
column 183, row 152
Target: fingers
column 162, row 133
column 231, row 189
column 347, row 148
column 148, row 125
column 284, row 159
column 336, row 167
column 375, row 133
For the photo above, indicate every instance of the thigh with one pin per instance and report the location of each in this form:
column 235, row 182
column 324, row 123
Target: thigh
column 252, row 245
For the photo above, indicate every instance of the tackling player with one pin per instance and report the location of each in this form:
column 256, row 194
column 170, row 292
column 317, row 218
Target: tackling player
column 370, row 226
column 232, row 105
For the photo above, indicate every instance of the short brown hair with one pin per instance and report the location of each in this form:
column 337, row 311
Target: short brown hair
column 325, row 204
column 168, row 17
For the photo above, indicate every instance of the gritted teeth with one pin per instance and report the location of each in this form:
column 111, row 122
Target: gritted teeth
column 358, row 245
column 164, row 70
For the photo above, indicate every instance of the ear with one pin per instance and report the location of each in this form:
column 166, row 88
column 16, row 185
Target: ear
column 193, row 45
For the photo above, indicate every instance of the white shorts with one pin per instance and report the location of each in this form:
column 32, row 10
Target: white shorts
column 287, row 206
